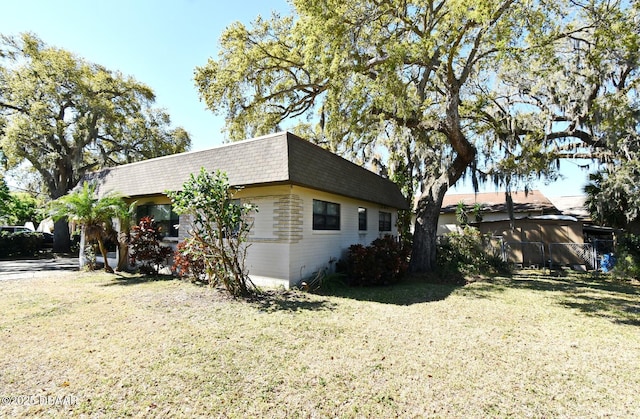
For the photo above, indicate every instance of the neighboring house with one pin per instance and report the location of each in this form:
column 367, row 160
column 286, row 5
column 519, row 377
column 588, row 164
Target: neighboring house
column 312, row 204
column 572, row 205
column 539, row 234
column 493, row 207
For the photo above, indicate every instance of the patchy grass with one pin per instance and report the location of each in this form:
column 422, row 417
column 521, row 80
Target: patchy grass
column 533, row 345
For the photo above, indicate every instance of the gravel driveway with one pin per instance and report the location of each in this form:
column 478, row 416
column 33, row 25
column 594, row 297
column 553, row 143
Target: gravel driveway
column 31, row 268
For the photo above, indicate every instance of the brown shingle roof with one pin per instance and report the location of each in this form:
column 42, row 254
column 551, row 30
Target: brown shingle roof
column 496, row 202
column 273, row 159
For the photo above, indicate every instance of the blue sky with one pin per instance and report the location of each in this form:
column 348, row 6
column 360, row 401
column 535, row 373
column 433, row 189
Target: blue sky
column 159, row 43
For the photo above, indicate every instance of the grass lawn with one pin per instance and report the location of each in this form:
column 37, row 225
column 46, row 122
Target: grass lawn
column 98, row 345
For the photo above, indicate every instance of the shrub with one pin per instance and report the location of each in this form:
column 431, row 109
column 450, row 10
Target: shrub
column 188, row 261
column 146, row 247
column 219, row 229
column 383, row 262
column 20, row 244
column 628, row 257
column 466, row 253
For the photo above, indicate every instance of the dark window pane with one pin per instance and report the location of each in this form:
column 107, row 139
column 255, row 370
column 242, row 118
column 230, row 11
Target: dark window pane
column 166, row 220
column 326, row 215
column 362, row 218
column 384, row 223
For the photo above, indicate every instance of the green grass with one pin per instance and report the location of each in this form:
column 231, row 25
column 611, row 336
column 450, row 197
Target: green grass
column 529, row 346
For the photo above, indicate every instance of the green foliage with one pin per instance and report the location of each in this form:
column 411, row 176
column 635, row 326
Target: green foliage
column 219, row 229
column 21, row 208
column 95, row 214
column 146, row 248
column 17, row 208
column 383, row 262
column 467, row 253
column 628, row 257
column 613, row 197
column 20, row 244
column 5, row 199
column 461, row 214
column 66, row 116
column 496, row 90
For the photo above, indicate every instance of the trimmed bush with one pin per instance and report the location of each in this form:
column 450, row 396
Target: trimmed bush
column 21, row 244
column 383, row 262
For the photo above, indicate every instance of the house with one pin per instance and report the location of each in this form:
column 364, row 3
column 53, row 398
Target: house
column 493, row 207
column 539, row 234
column 312, row 204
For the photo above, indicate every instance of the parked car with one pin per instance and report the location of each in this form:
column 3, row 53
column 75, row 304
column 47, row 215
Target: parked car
column 47, row 238
column 15, row 229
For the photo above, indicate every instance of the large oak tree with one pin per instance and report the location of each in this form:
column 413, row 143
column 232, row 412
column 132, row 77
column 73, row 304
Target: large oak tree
column 494, row 89
column 66, row 116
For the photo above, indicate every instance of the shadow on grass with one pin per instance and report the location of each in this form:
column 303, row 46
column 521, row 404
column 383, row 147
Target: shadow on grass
column 411, row 290
column 124, row 280
column 294, row 301
column 591, row 293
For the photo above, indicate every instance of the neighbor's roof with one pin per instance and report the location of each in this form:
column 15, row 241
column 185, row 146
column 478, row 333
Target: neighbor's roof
column 572, row 205
column 281, row 158
column 496, row 202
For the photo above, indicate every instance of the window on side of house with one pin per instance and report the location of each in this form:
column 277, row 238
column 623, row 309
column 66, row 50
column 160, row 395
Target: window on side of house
column 384, row 221
column 326, row 215
column 362, row 219
column 163, row 215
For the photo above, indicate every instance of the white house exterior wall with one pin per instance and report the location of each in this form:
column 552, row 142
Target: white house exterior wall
column 320, row 249
column 283, row 247
column 272, row 234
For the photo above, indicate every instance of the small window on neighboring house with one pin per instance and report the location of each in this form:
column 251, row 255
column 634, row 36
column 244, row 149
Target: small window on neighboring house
column 326, row 215
column 162, row 214
column 384, row 222
column 362, row 219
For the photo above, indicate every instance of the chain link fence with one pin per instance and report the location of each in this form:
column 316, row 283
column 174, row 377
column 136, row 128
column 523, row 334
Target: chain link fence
column 524, row 254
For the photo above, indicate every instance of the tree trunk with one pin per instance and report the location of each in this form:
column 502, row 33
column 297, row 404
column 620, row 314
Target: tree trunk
column 61, row 238
column 103, row 251
column 423, row 253
column 123, row 251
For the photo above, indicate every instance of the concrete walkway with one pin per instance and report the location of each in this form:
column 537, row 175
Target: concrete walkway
column 31, row 268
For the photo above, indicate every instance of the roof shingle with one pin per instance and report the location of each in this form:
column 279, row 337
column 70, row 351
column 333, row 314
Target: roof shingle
column 273, row 159
column 496, row 202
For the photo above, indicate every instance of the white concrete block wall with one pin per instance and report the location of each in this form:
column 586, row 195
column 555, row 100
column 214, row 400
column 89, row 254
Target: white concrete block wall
column 318, row 247
column 268, row 264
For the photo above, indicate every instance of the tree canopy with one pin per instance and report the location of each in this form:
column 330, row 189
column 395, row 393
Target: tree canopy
column 495, row 89
column 65, row 116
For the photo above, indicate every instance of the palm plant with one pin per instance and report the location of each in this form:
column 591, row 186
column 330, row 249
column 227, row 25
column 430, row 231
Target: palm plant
column 94, row 214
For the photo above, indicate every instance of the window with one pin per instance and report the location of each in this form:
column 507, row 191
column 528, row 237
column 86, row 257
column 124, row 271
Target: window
column 326, row 215
column 362, row 219
column 165, row 218
column 384, row 221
